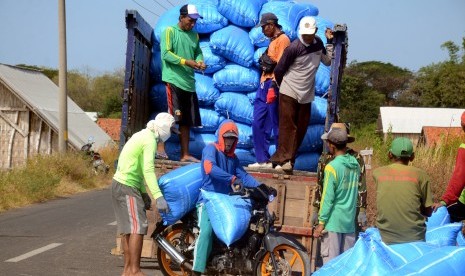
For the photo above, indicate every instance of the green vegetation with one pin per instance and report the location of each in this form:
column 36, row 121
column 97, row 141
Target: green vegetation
column 46, row 177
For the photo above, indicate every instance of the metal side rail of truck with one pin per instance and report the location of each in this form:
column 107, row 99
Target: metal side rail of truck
column 294, row 203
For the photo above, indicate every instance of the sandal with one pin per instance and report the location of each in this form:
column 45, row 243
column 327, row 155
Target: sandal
column 190, row 159
column 161, row 155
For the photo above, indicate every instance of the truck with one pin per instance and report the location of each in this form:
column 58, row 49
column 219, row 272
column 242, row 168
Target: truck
column 293, row 205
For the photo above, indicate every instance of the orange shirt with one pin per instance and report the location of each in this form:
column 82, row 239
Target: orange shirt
column 275, row 51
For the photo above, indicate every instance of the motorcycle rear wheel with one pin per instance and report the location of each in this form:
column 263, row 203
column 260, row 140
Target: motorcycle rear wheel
column 174, row 235
column 290, row 261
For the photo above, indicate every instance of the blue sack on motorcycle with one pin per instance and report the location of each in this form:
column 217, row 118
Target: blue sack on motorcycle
column 181, row 189
column 229, row 215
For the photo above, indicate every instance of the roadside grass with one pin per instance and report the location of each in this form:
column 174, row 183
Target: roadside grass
column 438, row 161
column 45, row 177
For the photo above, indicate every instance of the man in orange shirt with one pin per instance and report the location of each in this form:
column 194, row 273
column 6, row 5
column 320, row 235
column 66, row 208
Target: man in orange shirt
column 265, row 114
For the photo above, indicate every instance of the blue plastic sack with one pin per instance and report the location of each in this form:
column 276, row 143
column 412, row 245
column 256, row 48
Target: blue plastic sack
column 212, row 20
column 210, row 121
column 167, row 19
column 157, row 98
column 229, row 215
column 322, row 79
column 155, row 63
column 443, row 235
column 256, row 56
column 252, row 97
column 173, row 150
column 207, row 94
column 242, row 13
column 236, row 78
column 411, row 251
column 319, row 109
column 307, row 161
column 235, row 106
column 322, row 24
column 289, row 14
column 213, row 61
column 245, row 157
column 460, row 239
column 312, row 141
column 438, row 218
column 200, row 141
column 181, row 189
column 234, row 44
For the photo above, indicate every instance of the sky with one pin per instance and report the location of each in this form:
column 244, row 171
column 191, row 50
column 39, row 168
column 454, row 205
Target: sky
column 406, row 33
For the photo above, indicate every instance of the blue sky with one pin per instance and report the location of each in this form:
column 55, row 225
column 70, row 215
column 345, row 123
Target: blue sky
column 406, row 33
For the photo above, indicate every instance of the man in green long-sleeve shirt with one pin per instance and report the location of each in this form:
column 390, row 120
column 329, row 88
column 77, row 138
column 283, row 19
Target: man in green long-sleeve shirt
column 129, row 195
column 339, row 197
column 181, row 55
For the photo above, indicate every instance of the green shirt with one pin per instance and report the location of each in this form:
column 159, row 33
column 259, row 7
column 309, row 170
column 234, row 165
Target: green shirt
column 177, row 46
column 401, row 191
column 339, row 197
column 136, row 163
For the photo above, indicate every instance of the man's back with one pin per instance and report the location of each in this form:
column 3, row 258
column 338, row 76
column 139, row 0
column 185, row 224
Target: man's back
column 401, row 190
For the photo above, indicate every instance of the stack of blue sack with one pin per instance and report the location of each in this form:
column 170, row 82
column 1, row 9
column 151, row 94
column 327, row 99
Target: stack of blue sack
column 231, row 47
column 443, row 252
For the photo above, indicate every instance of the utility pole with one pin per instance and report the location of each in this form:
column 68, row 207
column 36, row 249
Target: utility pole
column 62, row 82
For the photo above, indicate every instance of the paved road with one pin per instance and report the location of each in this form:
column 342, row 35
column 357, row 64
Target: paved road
column 67, row 236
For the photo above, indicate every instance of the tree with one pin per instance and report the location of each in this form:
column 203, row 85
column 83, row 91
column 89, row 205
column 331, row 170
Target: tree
column 441, row 84
column 107, row 94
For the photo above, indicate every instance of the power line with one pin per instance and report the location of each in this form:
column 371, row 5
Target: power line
column 170, row 3
column 145, row 8
column 160, row 4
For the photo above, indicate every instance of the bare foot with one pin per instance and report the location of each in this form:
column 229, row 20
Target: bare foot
column 189, row 158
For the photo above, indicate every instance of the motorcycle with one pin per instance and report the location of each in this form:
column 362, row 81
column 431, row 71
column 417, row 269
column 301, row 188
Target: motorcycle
column 260, row 251
column 98, row 165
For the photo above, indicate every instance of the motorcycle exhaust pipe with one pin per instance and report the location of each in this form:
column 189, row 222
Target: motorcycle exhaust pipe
column 172, row 252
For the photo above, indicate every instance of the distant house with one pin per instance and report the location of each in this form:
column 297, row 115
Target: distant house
column 29, row 118
column 409, row 121
column 111, row 126
column 432, row 136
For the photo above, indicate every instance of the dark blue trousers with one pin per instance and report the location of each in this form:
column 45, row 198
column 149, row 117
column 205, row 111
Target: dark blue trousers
column 265, row 121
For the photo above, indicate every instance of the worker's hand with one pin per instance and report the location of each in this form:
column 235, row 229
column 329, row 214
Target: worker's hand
column 438, row 205
column 237, row 185
column 318, row 232
column 362, row 218
column 201, row 65
column 162, row 206
column 314, row 217
column 192, row 64
column 329, row 34
column 147, row 201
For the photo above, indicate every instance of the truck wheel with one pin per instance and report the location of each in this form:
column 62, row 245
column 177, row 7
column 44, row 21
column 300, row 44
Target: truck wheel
column 181, row 239
column 289, row 260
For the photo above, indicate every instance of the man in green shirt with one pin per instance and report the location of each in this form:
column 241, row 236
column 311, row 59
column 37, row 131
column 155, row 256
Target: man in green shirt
column 129, row 195
column 403, row 196
column 181, row 55
column 339, row 197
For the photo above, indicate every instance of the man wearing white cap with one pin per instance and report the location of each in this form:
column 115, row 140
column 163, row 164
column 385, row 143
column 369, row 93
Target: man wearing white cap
column 129, row 196
column 295, row 74
column 181, row 55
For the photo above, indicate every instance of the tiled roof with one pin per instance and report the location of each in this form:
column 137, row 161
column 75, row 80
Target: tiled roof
column 435, row 135
column 111, row 126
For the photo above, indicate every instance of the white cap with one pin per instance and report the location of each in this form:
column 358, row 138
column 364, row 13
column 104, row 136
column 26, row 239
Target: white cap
column 307, row 25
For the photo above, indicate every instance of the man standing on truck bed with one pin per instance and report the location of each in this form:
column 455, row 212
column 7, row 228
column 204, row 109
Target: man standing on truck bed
column 181, row 54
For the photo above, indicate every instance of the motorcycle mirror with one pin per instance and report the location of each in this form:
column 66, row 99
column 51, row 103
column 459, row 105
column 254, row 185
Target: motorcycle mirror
column 90, row 140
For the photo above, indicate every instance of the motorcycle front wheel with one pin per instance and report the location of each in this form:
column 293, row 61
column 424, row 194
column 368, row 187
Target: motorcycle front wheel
column 289, row 261
column 181, row 239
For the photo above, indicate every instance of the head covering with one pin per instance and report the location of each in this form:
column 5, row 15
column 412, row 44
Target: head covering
column 226, row 128
column 402, row 147
column 190, row 10
column 307, row 25
column 350, row 139
column 163, row 126
column 268, row 18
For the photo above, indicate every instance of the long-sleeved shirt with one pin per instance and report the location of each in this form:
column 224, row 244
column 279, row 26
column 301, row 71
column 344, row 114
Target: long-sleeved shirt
column 339, row 198
column 136, row 163
column 455, row 189
column 177, row 46
column 296, row 70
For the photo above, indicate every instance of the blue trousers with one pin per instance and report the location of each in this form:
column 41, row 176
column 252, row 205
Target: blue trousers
column 265, row 121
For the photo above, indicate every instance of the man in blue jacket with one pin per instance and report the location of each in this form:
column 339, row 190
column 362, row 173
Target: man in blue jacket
column 221, row 173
